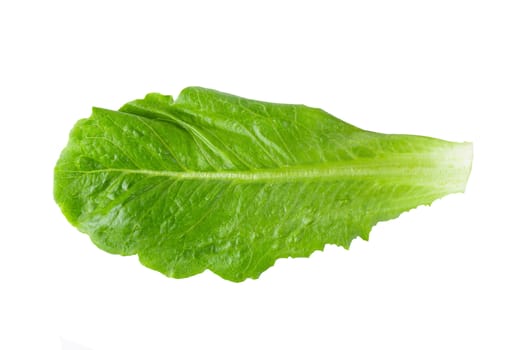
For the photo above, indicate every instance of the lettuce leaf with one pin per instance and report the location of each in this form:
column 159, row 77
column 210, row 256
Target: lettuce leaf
column 219, row 182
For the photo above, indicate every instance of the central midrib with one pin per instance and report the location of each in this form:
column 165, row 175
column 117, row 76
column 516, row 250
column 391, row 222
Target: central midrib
column 246, row 175
column 382, row 168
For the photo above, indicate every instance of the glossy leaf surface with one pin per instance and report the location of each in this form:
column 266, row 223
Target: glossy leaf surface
column 215, row 181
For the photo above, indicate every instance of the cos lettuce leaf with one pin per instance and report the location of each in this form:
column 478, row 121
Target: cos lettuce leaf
column 214, row 181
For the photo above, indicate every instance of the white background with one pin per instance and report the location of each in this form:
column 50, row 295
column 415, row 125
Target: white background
column 449, row 276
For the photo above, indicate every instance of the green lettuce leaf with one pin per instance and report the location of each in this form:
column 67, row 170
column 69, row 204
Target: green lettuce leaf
column 214, row 181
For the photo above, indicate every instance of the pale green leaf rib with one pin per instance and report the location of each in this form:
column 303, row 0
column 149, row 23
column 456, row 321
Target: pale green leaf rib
column 214, row 181
column 389, row 168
